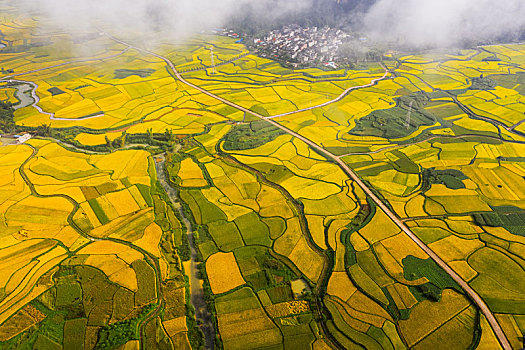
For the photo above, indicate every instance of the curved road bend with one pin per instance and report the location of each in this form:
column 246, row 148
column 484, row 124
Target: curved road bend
column 337, row 99
column 466, row 287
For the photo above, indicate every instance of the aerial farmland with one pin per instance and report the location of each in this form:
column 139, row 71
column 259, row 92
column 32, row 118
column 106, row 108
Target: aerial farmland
column 170, row 196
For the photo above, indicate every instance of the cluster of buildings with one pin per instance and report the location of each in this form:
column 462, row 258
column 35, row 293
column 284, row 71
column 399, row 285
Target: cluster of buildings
column 305, row 46
column 229, row 33
column 308, row 46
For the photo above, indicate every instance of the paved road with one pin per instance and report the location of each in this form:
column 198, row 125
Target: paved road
column 466, row 287
column 343, row 95
column 517, row 124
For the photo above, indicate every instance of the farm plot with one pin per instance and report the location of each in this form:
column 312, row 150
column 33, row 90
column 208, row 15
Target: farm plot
column 53, row 199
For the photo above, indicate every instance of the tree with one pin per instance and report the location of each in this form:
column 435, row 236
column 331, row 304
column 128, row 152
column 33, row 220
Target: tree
column 122, row 139
column 430, row 291
column 108, row 141
column 43, row 130
column 7, row 123
column 169, row 135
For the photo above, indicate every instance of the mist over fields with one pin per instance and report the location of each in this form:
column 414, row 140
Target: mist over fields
column 445, row 22
column 176, row 18
column 427, row 23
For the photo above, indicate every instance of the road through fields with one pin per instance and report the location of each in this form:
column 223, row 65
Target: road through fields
column 466, row 287
column 339, row 98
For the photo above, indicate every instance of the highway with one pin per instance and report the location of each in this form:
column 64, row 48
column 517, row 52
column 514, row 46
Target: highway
column 466, row 287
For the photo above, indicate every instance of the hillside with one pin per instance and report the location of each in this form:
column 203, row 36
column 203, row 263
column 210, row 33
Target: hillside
column 253, row 18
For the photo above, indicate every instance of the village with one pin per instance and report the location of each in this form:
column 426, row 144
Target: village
column 301, row 46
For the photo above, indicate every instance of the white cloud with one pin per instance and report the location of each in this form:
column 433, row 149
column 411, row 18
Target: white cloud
column 173, row 17
column 444, row 22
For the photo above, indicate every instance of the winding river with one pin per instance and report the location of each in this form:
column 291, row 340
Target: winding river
column 190, row 267
column 26, row 94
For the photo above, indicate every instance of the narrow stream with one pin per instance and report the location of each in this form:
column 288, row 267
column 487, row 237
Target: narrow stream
column 196, row 290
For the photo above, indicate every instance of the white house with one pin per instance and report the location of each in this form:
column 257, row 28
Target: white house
column 23, row 138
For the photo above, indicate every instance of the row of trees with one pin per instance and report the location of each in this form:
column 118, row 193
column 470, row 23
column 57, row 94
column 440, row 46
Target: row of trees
column 162, row 140
column 7, row 123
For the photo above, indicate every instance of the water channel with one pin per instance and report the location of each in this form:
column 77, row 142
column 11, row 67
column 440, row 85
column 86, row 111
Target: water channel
column 190, row 267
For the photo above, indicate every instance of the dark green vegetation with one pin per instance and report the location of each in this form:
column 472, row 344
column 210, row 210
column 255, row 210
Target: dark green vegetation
column 7, row 124
column 99, row 212
column 404, row 164
column 250, row 237
column 176, row 240
column 510, row 218
column 451, row 178
column 400, row 121
column 252, row 135
column 511, row 81
column 82, row 298
column 124, row 73
column 262, row 271
column 25, row 47
column 149, row 141
column 117, row 334
column 483, row 83
column 55, row 91
column 415, row 268
column 363, row 217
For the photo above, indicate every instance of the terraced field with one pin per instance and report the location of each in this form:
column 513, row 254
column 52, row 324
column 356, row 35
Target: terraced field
column 377, row 208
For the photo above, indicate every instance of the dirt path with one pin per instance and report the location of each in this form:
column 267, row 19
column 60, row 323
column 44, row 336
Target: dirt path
column 466, row 287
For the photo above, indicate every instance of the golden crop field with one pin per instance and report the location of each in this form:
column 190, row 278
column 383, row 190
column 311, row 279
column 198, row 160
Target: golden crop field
column 223, row 273
column 163, row 202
